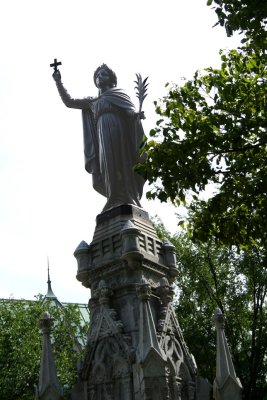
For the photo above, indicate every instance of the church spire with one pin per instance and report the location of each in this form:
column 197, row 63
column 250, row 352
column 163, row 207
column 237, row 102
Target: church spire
column 50, row 294
column 49, row 289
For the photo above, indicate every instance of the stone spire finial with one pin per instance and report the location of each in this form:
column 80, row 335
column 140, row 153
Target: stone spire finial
column 226, row 385
column 49, row 387
column 147, row 331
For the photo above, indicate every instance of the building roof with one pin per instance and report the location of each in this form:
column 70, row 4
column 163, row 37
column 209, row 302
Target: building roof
column 52, row 298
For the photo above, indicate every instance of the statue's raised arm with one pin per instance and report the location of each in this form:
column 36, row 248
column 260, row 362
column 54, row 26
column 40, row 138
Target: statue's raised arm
column 65, row 97
column 113, row 135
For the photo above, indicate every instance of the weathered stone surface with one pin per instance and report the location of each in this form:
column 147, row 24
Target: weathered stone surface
column 136, row 350
column 203, row 389
column 227, row 385
column 49, row 387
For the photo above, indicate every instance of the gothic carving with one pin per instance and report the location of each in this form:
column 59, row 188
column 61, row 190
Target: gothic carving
column 110, row 372
column 143, row 290
column 136, row 350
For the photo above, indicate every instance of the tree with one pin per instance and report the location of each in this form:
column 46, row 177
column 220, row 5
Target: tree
column 212, row 131
column 211, row 277
column 241, row 15
column 20, row 346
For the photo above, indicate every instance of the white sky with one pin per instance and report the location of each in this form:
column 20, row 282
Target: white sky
column 47, row 203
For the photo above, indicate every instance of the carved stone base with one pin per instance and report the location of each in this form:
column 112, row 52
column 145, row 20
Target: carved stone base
column 136, row 349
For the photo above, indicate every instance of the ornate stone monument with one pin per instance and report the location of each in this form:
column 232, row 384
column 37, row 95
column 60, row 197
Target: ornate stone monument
column 136, row 350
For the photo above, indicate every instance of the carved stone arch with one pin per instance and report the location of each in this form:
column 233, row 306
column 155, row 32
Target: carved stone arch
column 105, row 348
column 172, row 348
column 178, row 367
column 105, row 352
column 174, row 353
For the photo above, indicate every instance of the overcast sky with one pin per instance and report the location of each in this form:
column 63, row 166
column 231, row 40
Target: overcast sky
column 47, row 203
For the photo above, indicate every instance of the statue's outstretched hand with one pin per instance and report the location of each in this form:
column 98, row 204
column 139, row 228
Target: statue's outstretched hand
column 57, row 75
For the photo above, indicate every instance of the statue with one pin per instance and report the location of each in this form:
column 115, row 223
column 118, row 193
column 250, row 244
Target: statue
column 113, row 135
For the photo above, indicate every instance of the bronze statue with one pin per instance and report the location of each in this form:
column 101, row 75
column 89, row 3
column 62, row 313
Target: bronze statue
column 113, row 135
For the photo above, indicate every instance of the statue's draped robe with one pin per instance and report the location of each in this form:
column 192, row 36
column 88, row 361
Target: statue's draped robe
column 112, row 140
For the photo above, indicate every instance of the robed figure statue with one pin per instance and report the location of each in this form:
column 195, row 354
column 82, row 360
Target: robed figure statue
column 113, row 135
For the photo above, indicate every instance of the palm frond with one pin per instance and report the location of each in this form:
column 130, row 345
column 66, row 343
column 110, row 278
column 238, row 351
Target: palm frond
column 141, row 89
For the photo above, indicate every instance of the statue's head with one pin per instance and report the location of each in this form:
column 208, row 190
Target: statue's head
column 112, row 76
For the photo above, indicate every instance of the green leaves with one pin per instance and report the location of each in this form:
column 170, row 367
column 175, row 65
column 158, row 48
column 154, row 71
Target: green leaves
column 244, row 16
column 211, row 277
column 20, row 346
column 212, row 131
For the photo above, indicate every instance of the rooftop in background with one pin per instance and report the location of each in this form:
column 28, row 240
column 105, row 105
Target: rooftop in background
column 83, row 308
column 50, row 296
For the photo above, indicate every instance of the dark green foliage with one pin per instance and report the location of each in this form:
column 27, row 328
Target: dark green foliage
column 20, row 346
column 248, row 16
column 212, row 130
column 212, row 133
column 211, row 277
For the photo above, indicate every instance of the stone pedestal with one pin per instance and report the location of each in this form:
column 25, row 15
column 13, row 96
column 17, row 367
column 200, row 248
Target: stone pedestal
column 136, row 349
